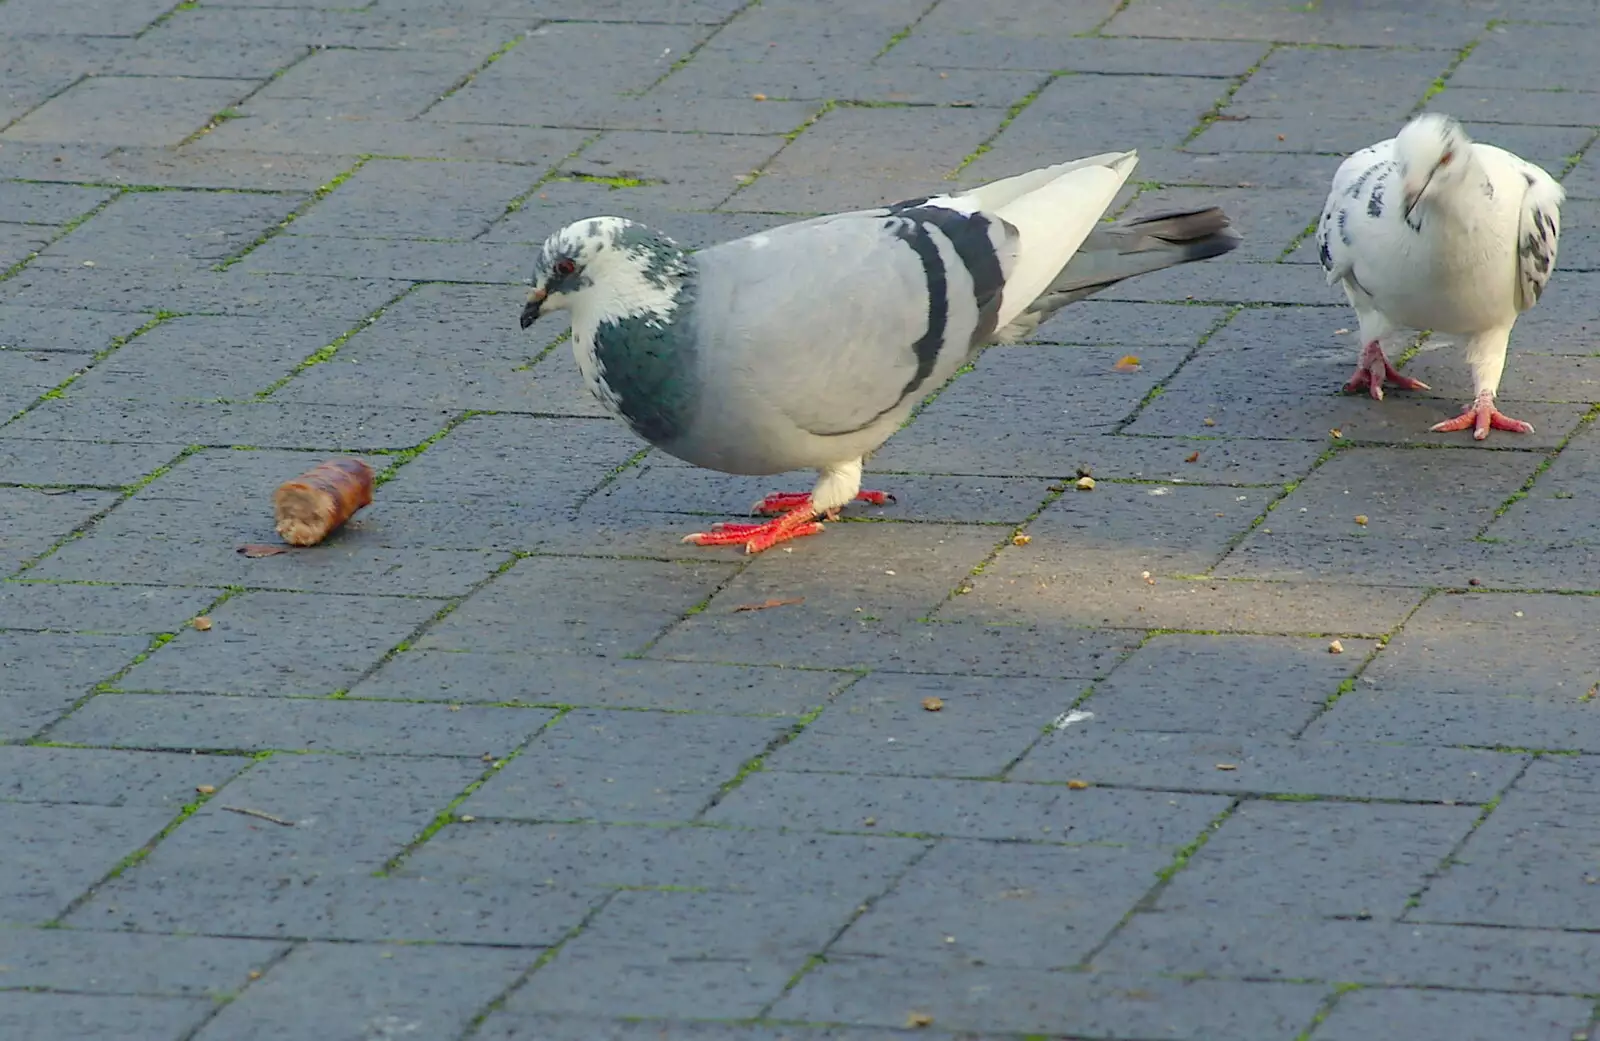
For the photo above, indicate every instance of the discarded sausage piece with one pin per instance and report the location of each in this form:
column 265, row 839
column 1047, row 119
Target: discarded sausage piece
column 312, row 506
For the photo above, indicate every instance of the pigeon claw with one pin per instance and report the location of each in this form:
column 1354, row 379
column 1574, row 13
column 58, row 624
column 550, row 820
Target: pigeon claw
column 783, row 502
column 1480, row 417
column 757, row 537
column 1374, row 369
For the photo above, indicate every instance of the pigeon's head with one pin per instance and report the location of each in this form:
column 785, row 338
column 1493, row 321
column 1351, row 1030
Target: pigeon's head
column 608, row 266
column 1432, row 150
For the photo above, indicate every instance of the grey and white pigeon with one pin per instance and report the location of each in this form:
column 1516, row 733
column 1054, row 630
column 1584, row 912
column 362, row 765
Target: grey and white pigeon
column 1431, row 230
column 808, row 345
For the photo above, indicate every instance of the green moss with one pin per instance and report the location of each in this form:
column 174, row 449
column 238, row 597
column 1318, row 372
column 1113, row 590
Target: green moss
column 1011, row 114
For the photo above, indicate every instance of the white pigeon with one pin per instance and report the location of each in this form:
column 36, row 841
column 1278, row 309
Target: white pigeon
column 1430, row 230
column 808, row 345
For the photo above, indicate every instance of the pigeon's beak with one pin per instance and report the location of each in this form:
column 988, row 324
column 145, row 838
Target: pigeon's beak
column 530, row 310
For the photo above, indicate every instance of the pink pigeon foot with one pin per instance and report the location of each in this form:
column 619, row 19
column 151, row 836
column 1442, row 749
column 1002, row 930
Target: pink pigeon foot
column 1374, row 369
column 1481, row 416
column 782, row 502
column 758, row 537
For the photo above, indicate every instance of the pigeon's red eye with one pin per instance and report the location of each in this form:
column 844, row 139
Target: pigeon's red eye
column 565, row 267
column 1444, row 160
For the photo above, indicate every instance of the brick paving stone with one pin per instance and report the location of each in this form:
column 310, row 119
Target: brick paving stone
column 623, row 766
column 965, row 809
column 870, row 991
column 1523, row 866
column 705, row 955
column 505, row 720
column 43, row 674
column 883, row 725
column 1189, row 762
column 343, row 990
column 201, row 722
column 57, row 852
column 94, row 1017
column 1427, row 1016
column 986, row 903
column 1317, row 865
column 1367, row 951
column 281, row 643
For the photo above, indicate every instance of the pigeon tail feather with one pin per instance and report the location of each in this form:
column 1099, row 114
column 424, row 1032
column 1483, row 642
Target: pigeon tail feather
column 1053, row 219
column 1128, row 248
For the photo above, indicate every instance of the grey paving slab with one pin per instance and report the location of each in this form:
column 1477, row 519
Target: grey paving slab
column 1367, row 951
column 43, row 674
column 1262, row 686
column 866, row 991
column 1520, row 867
column 282, row 643
column 100, row 608
column 1207, row 762
column 624, row 766
column 1316, row 865
column 611, row 857
column 883, row 725
column 993, row 904
column 343, row 990
column 81, row 777
column 109, row 19
column 471, row 676
column 128, row 110
column 38, row 1017
column 124, row 963
column 965, row 809
column 58, row 852
column 204, row 722
column 722, row 955
column 1467, row 1017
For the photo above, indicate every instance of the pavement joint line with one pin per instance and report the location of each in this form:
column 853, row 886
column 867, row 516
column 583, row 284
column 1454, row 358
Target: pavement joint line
column 316, row 196
column 62, row 232
column 157, row 641
column 1211, row 115
column 1442, row 81
column 232, row 112
column 1325, row 1008
column 328, row 351
column 694, row 49
column 760, row 170
column 862, row 909
column 550, row 954
column 446, row 610
column 494, row 56
column 1160, row 387
column 906, row 31
column 552, row 171
column 1446, row 862
column 115, row 345
column 965, row 585
column 1527, row 486
column 1122, row 5
column 42, row 103
column 221, row 1002
column 1180, row 860
column 1016, row 109
column 1348, row 684
column 87, row 525
column 448, row 815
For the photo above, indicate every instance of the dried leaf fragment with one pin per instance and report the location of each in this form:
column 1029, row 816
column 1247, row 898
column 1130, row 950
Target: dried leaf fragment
column 1336, row 647
column 1361, row 519
column 768, row 604
column 919, row 1019
column 1227, row 766
column 263, row 551
column 1019, row 539
column 206, row 789
column 932, row 704
column 202, row 623
column 1086, row 484
column 1127, row 363
column 758, row 97
column 1193, row 457
column 1076, row 785
column 1210, row 422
